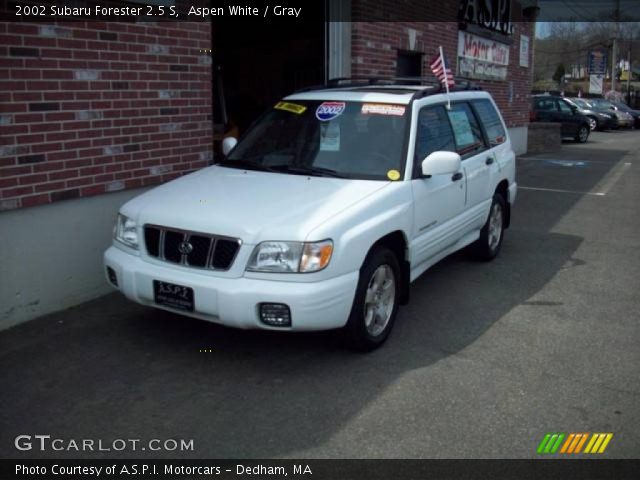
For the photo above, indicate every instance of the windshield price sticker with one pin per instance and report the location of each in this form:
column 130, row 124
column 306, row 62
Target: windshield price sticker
column 329, row 110
column 382, row 109
column 290, row 107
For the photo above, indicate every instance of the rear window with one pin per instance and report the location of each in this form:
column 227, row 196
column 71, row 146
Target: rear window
column 490, row 118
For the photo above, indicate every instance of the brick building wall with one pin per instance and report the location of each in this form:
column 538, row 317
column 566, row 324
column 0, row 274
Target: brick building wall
column 92, row 107
column 375, row 46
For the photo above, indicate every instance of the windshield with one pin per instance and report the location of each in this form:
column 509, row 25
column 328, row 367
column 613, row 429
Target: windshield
column 622, row 106
column 602, row 104
column 580, row 103
column 326, row 138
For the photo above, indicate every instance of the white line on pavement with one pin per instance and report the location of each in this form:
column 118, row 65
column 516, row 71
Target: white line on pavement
column 610, row 180
column 557, row 190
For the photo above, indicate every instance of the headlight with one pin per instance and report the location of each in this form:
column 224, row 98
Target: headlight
column 126, row 231
column 290, row 257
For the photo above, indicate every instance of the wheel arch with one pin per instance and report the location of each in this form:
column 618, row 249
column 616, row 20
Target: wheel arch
column 396, row 241
column 503, row 189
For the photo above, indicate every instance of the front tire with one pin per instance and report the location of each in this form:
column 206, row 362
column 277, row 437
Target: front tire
column 375, row 305
column 488, row 245
column 583, row 134
column 593, row 124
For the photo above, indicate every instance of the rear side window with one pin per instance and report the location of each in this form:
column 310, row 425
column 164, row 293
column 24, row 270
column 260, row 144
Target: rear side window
column 491, row 120
column 434, row 132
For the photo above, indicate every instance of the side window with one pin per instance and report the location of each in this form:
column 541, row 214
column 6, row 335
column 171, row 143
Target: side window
column 564, row 108
column 546, row 104
column 433, row 133
column 466, row 130
column 491, row 121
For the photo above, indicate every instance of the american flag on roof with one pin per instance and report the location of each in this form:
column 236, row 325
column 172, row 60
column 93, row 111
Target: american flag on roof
column 441, row 71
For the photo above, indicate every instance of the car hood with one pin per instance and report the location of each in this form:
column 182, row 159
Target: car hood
column 250, row 205
column 588, row 111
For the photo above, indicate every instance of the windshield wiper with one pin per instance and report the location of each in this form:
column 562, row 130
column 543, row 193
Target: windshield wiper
column 312, row 171
column 245, row 165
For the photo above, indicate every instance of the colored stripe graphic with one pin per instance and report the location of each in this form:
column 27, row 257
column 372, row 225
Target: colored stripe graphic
column 570, row 439
column 581, row 442
column 598, row 443
column 550, row 443
column 574, row 442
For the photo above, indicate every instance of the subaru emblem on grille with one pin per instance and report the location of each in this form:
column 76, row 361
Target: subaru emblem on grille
column 185, row 248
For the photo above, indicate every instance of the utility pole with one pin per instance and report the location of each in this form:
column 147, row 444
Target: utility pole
column 614, row 48
column 613, row 64
column 629, row 74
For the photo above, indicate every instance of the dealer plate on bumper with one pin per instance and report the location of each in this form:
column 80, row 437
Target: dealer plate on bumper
column 174, row 296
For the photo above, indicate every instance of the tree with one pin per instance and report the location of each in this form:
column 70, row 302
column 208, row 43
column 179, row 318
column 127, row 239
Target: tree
column 559, row 73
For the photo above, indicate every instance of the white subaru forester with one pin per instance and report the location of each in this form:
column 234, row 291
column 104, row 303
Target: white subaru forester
column 326, row 210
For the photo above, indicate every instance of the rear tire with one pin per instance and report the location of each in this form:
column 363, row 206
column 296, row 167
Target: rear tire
column 375, row 305
column 593, row 124
column 487, row 247
column 583, row 134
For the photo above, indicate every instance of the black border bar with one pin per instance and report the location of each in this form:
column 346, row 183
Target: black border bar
column 548, row 469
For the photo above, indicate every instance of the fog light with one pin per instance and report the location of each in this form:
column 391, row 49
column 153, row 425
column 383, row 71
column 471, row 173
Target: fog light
column 275, row 314
column 113, row 278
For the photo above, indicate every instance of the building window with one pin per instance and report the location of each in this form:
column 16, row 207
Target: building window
column 409, row 64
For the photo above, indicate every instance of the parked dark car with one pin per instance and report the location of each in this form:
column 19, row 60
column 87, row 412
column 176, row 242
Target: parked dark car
column 551, row 108
column 625, row 120
column 598, row 120
column 627, row 109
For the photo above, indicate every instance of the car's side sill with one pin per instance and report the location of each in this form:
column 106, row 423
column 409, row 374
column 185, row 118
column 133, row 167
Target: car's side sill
column 468, row 239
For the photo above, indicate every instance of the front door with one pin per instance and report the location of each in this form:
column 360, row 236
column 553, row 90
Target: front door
column 439, row 200
column 568, row 118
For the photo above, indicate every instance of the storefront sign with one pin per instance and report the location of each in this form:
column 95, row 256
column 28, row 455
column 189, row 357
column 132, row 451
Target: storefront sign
column 524, row 51
column 491, row 14
column 597, row 61
column 482, row 58
column 595, row 84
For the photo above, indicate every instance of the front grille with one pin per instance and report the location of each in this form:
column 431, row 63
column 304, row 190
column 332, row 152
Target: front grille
column 192, row 249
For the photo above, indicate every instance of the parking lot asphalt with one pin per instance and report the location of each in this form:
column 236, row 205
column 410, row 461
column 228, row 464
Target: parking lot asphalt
column 486, row 358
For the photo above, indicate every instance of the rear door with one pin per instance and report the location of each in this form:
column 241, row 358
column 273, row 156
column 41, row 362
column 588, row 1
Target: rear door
column 472, row 147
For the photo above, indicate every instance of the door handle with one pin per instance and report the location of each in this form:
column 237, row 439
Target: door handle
column 489, row 161
column 456, row 176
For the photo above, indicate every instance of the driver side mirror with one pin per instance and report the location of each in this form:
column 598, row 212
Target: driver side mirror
column 228, row 144
column 441, row 163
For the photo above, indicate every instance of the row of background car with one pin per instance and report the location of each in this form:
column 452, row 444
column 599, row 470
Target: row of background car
column 580, row 116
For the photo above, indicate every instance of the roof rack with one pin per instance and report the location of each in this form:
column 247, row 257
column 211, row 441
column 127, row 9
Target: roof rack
column 348, row 82
column 432, row 85
column 466, row 84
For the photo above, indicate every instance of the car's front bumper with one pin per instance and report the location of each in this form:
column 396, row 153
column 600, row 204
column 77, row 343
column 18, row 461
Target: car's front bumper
column 235, row 302
column 607, row 122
